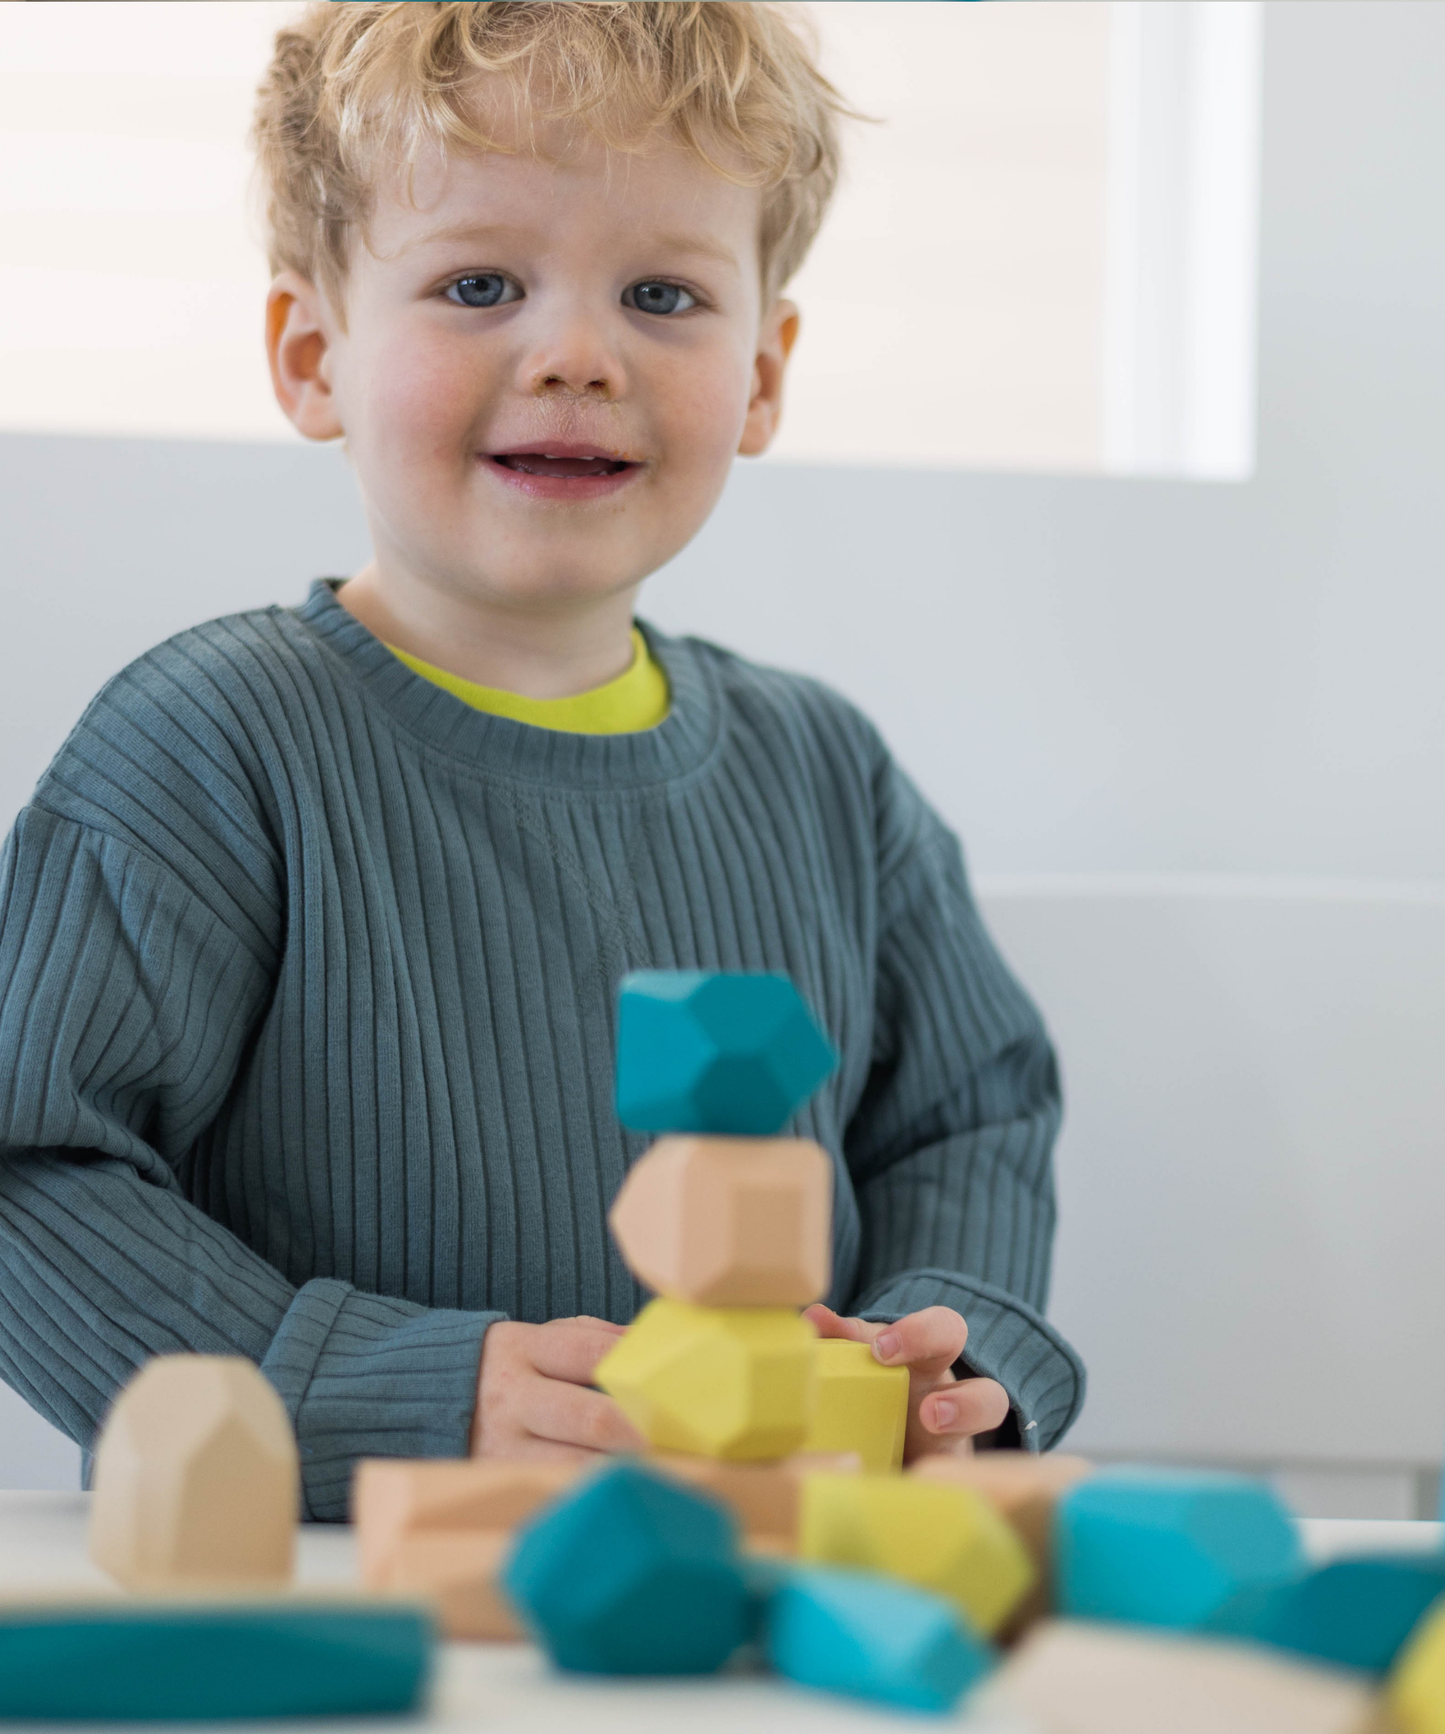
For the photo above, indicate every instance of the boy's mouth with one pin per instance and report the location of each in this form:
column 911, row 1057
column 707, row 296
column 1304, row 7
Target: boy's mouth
column 562, row 471
column 564, row 462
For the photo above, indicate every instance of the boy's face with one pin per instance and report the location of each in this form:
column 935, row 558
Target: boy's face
column 547, row 366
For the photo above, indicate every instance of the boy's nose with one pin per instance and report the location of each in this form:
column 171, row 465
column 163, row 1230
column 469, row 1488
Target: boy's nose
column 575, row 361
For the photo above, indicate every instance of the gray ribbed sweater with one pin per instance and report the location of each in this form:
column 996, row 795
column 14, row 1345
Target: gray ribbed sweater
column 307, row 997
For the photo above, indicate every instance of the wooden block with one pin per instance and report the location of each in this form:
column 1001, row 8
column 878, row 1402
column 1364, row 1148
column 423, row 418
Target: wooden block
column 862, row 1406
column 1072, row 1678
column 1164, row 1547
column 729, row 1222
column 1416, row 1695
column 1025, row 1487
column 197, row 1479
column 731, row 1382
column 941, row 1537
column 199, row 1659
column 631, row 1573
column 867, row 1637
column 763, row 1497
column 704, row 1051
column 442, row 1529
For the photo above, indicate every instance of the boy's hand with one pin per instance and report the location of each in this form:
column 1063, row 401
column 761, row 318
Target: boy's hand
column 944, row 1413
column 534, row 1395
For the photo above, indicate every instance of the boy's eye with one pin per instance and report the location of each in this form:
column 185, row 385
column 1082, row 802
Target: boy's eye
column 482, row 289
column 658, row 298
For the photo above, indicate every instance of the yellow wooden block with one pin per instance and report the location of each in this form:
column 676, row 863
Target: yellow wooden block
column 1416, row 1693
column 861, row 1405
column 733, row 1382
column 941, row 1537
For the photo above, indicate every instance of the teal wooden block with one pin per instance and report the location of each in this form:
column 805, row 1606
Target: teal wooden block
column 871, row 1637
column 1354, row 1612
column 138, row 1660
column 1162, row 1547
column 729, row 1054
column 631, row 1573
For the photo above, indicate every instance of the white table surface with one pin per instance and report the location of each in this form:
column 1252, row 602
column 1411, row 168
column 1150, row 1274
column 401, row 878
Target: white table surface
column 508, row 1688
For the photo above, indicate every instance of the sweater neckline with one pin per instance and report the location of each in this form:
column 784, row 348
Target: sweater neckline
column 678, row 745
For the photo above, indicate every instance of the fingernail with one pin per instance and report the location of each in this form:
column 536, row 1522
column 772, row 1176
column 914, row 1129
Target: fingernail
column 944, row 1415
column 886, row 1346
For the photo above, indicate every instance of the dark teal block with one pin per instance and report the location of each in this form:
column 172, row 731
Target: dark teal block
column 871, row 1637
column 631, row 1574
column 1355, row 1612
column 727, row 1054
column 1167, row 1548
column 205, row 1661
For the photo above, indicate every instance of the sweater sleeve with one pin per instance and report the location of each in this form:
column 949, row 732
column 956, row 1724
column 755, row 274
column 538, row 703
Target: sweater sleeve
column 126, row 1009
column 950, row 1147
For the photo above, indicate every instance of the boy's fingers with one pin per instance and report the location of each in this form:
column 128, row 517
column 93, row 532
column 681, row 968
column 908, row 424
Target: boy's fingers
column 963, row 1409
column 571, row 1348
column 925, row 1342
column 827, row 1323
column 569, row 1415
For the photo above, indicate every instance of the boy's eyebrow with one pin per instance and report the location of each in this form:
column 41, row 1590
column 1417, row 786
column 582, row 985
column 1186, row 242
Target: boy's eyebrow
column 693, row 246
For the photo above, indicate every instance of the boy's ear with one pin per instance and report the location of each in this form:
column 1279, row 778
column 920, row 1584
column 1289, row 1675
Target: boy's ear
column 298, row 346
column 775, row 342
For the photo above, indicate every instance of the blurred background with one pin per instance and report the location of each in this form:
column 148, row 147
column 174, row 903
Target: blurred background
column 1111, row 485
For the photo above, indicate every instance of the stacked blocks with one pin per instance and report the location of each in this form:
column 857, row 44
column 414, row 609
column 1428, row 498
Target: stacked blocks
column 442, row 1530
column 733, row 1229
column 1417, row 1689
column 1356, row 1613
column 763, row 1497
column 939, row 1537
column 850, row 1632
column 1167, row 1548
column 197, row 1478
column 861, row 1405
column 630, row 1573
column 702, row 1052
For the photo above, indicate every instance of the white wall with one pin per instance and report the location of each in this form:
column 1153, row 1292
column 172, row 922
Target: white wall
column 1192, row 735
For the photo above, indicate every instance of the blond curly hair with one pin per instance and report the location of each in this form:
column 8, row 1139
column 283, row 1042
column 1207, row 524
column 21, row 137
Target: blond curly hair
column 358, row 87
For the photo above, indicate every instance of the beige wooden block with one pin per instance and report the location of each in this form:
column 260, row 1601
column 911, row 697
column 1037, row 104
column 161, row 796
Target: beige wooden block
column 1069, row 1677
column 394, row 1497
column 729, row 1222
column 763, row 1497
column 459, row 1572
column 441, row 1528
column 1024, row 1486
column 197, row 1479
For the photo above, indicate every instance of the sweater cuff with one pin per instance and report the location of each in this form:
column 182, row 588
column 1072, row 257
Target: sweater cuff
column 1007, row 1341
column 364, row 1375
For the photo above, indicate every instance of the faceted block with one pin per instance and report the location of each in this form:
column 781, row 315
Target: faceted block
column 197, row 1479
column 442, row 1529
column 728, row 1053
column 195, row 1660
column 629, row 1573
column 1416, row 1694
column 729, row 1222
column 861, row 1405
column 764, row 1498
column 852, row 1632
column 939, row 1537
column 732, row 1382
column 1356, row 1612
column 1167, row 1548
column 1067, row 1678
column 1024, row 1487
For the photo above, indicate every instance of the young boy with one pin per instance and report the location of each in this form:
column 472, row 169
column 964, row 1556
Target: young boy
column 310, row 938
